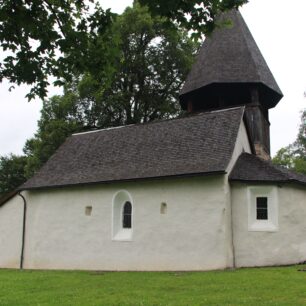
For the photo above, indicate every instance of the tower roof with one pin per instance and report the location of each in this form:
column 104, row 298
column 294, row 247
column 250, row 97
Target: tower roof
column 231, row 56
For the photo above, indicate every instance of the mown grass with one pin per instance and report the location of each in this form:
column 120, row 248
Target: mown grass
column 260, row 286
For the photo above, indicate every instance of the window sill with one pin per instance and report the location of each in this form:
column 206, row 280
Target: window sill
column 123, row 235
column 263, row 226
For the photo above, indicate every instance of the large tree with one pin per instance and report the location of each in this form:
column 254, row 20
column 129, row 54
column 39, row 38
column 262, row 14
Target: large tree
column 43, row 38
column 148, row 65
column 294, row 156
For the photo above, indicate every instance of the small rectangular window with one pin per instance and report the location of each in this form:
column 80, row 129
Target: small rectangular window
column 262, row 208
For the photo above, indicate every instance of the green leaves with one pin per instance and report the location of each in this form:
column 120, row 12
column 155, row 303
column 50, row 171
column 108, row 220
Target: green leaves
column 294, row 155
column 147, row 62
column 12, row 173
column 195, row 15
column 134, row 75
column 129, row 72
column 46, row 38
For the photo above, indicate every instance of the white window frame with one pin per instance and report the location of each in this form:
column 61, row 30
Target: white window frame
column 119, row 233
column 271, row 224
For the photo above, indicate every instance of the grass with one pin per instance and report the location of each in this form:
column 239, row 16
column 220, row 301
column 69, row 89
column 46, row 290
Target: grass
column 260, row 286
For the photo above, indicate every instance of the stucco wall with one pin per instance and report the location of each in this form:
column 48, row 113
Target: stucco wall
column 190, row 236
column 11, row 216
column 242, row 145
column 287, row 245
column 194, row 234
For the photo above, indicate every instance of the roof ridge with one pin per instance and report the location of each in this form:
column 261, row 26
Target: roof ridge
column 158, row 121
column 192, row 145
column 258, row 70
column 244, row 29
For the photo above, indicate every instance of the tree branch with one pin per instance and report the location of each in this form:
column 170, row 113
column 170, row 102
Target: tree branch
column 58, row 21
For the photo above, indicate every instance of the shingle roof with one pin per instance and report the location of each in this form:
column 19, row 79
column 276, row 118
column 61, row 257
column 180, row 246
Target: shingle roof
column 251, row 168
column 194, row 145
column 231, row 55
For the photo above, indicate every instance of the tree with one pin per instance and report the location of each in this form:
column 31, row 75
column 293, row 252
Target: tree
column 147, row 68
column 152, row 62
column 12, row 173
column 294, row 156
column 44, row 38
column 196, row 15
column 59, row 119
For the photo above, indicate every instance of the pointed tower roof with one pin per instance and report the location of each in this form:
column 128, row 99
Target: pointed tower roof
column 231, row 56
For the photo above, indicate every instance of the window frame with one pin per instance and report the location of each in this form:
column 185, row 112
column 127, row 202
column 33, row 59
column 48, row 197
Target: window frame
column 263, row 225
column 120, row 233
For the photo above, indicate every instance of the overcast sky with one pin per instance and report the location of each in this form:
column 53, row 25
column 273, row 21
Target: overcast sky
column 279, row 31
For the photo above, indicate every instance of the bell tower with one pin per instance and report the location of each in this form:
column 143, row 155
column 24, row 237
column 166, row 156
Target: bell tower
column 230, row 71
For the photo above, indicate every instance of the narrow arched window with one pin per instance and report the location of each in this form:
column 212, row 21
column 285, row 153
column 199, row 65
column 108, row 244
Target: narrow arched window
column 127, row 215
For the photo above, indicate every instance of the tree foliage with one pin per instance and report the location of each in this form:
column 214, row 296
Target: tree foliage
column 44, row 38
column 147, row 68
column 294, row 156
column 12, row 172
column 116, row 70
column 196, row 15
column 59, row 119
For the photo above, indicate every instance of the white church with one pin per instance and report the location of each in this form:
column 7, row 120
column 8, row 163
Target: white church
column 193, row 193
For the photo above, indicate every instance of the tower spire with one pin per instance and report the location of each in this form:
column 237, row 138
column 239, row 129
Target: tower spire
column 229, row 67
column 230, row 71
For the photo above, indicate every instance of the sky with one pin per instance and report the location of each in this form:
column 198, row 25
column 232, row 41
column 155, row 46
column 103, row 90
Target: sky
column 279, row 31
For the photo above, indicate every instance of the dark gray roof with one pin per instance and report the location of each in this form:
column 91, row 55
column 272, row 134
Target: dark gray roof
column 251, row 168
column 231, row 55
column 199, row 144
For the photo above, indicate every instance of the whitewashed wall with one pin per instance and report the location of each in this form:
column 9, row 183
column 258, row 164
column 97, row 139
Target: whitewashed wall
column 285, row 246
column 11, row 216
column 242, row 145
column 191, row 236
column 194, row 234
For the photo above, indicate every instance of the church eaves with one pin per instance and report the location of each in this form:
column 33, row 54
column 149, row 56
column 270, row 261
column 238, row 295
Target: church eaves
column 249, row 168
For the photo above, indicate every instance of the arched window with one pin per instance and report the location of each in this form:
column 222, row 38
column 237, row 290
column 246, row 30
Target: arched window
column 127, row 215
column 123, row 207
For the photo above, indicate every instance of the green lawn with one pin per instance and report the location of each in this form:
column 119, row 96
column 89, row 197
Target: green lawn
column 260, row 286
